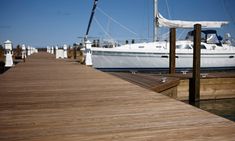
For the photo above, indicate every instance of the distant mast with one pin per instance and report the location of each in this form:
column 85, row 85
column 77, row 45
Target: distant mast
column 155, row 24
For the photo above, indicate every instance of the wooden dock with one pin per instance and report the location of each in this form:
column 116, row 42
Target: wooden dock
column 158, row 83
column 45, row 99
column 214, row 85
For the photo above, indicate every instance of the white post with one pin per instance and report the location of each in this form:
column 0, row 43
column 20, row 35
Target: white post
column 52, row 50
column 33, row 50
column 56, row 52
column 23, row 51
column 47, row 49
column 88, row 60
column 59, row 53
column 8, row 53
column 65, row 51
column 29, row 50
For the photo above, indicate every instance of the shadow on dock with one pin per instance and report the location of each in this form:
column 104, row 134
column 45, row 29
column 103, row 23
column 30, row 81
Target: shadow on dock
column 3, row 69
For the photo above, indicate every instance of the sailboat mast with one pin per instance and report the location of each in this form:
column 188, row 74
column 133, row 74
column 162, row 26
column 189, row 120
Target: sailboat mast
column 155, row 31
column 91, row 17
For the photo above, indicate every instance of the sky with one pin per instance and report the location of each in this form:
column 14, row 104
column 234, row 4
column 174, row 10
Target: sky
column 56, row 22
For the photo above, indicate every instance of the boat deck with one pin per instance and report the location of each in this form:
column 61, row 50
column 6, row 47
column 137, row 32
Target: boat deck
column 45, row 99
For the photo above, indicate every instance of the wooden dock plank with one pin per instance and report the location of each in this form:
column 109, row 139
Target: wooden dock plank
column 48, row 99
column 150, row 81
column 214, row 85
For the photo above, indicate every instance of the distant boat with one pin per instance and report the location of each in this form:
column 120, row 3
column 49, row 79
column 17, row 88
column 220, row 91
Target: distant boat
column 215, row 52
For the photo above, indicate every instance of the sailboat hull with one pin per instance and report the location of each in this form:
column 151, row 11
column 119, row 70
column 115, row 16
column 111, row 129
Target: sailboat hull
column 159, row 60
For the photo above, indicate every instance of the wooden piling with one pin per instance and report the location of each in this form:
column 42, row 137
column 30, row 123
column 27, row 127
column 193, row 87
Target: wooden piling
column 26, row 51
column 75, row 52
column 24, row 58
column 194, row 83
column 1, row 52
column 70, row 52
column 18, row 52
column 172, row 50
column 54, row 50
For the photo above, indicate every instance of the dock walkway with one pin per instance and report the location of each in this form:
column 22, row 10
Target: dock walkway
column 45, row 99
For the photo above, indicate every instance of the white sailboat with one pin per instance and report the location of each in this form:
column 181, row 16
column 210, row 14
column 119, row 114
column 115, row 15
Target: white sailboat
column 215, row 53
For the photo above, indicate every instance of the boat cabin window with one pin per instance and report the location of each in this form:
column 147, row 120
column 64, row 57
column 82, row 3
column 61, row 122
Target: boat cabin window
column 203, row 47
column 184, row 46
column 141, row 46
column 207, row 36
column 212, row 39
column 158, row 46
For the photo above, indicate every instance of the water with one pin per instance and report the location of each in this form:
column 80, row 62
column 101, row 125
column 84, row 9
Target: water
column 223, row 107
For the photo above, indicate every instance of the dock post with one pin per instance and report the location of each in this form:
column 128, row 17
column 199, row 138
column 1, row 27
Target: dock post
column 172, row 50
column 56, row 52
column 75, row 51
column 23, row 52
column 88, row 60
column 59, row 53
column 29, row 50
column 194, row 82
column 52, row 50
column 8, row 53
column 1, row 52
column 48, row 49
column 65, row 47
column 18, row 52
